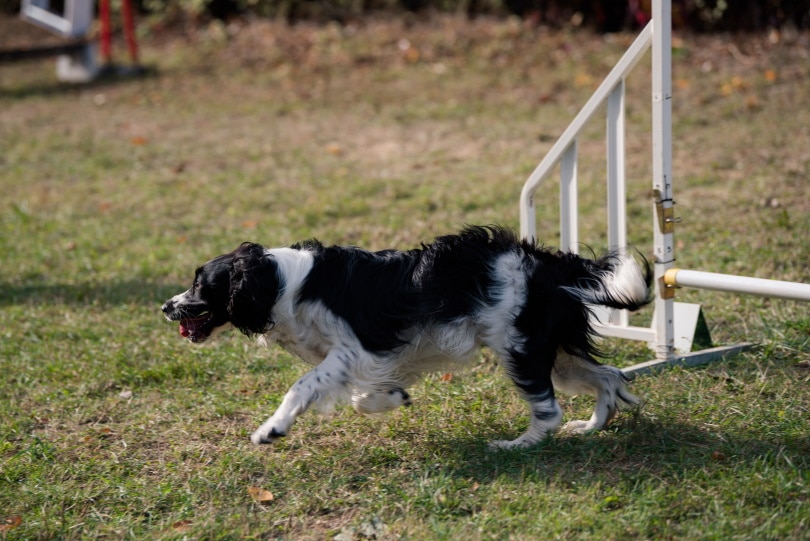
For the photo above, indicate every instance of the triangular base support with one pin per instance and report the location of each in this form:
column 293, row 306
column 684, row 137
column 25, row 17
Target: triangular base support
column 696, row 358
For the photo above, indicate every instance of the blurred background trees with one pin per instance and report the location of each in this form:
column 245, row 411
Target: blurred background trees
column 600, row 15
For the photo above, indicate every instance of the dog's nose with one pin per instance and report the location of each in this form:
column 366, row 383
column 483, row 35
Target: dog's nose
column 166, row 306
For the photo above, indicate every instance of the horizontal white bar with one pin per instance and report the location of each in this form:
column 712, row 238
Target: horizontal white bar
column 738, row 284
column 630, row 333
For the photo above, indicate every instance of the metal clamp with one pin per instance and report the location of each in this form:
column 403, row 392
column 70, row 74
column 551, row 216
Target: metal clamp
column 666, row 289
column 666, row 214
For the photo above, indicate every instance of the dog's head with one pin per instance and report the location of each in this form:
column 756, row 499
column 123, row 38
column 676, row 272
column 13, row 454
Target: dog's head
column 237, row 289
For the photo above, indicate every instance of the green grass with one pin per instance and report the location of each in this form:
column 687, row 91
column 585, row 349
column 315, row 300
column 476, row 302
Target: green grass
column 111, row 426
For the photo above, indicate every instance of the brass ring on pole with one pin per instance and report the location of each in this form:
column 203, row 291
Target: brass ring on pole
column 670, row 277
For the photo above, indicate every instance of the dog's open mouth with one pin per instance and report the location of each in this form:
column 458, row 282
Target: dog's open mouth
column 197, row 328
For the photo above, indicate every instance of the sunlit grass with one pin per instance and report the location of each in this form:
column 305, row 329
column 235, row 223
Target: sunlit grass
column 112, row 426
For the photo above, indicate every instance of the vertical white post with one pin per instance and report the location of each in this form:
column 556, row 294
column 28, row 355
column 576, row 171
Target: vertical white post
column 569, row 231
column 663, row 241
column 616, row 191
column 528, row 216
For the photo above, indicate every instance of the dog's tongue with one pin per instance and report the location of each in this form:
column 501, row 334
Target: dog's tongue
column 188, row 326
column 184, row 332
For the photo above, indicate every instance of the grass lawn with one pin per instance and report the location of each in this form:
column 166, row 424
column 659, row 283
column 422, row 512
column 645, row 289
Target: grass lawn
column 384, row 134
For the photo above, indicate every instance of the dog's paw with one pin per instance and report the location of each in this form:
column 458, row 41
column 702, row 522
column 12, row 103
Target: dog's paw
column 577, row 427
column 499, row 445
column 264, row 436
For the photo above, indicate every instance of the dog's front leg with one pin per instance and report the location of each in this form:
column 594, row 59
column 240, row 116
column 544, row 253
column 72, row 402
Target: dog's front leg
column 324, row 381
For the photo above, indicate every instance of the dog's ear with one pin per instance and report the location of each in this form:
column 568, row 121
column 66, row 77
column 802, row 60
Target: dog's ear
column 255, row 286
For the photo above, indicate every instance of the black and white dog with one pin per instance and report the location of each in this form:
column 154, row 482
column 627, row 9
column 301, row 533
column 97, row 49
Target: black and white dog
column 372, row 322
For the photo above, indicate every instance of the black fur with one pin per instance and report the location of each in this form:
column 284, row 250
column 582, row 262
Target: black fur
column 348, row 310
column 255, row 285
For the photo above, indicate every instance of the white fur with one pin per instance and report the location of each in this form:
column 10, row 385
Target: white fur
column 377, row 382
column 627, row 281
column 625, row 284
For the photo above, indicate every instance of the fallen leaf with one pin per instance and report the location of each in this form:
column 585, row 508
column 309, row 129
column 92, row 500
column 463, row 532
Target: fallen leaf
column 412, row 55
column 9, row 523
column 770, row 75
column 737, row 82
column 181, row 525
column 447, row 377
column 334, row 149
column 718, row 456
column 260, row 495
column 138, row 140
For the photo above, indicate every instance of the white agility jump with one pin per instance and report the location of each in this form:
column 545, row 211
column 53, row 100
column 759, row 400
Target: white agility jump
column 662, row 334
column 74, row 19
column 737, row 284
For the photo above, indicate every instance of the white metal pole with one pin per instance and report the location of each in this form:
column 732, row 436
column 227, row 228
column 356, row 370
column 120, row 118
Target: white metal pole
column 528, row 217
column 663, row 238
column 617, row 211
column 616, row 191
column 569, row 231
column 738, row 284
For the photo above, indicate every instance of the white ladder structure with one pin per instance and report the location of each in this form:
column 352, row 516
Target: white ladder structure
column 74, row 21
column 662, row 332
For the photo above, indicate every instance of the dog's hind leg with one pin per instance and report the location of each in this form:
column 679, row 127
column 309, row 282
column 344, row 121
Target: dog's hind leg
column 322, row 385
column 532, row 375
column 575, row 375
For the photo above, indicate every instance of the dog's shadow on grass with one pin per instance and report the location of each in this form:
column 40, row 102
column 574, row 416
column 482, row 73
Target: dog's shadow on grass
column 638, row 447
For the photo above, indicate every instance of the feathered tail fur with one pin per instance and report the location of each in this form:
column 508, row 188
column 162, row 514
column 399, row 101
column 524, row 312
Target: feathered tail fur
column 615, row 281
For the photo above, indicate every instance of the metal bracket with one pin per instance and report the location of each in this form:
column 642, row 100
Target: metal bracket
column 666, row 214
column 665, row 290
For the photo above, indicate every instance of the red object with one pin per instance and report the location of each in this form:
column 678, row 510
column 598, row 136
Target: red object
column 104, row 38
column 106, row 32
column 129, row 29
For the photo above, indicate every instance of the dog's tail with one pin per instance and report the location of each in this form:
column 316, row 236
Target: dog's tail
column 615, row 281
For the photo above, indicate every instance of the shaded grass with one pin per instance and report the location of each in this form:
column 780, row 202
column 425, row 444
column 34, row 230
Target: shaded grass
column 111, row 426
